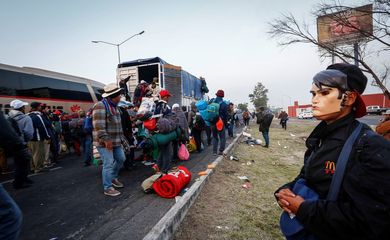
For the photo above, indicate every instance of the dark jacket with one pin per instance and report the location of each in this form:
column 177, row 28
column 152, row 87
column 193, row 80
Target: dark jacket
column 362, row 210
column 264, row 119
column 40, row 131
column 9, row 140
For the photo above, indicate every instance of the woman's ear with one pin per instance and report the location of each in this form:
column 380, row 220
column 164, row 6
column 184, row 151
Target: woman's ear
column 349, row 98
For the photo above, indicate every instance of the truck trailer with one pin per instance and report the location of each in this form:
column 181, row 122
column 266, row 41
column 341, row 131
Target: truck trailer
column 184, row 87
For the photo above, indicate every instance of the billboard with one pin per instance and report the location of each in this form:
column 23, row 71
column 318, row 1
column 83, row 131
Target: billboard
column 346, row 26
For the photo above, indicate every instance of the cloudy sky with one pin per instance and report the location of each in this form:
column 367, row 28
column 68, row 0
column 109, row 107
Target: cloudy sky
column 224, row 41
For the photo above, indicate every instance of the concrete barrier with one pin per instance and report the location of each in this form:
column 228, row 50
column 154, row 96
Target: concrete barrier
column 169, row 223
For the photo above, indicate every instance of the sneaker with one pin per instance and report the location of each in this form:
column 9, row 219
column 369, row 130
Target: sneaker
column 111, row 192
column 117, row 184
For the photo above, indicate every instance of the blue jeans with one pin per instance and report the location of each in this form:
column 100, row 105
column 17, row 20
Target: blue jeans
column 218, row 136
column 112, row 163
column 10, row 216
column 88, row 149
column 230, row 128
column 266, row 137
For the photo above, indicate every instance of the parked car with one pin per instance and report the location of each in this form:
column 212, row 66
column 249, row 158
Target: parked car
column 374, row 109
column 305, row 115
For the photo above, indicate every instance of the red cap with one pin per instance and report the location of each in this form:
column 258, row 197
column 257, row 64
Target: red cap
column 220, row 93
column 360, row 107
column 164, row 93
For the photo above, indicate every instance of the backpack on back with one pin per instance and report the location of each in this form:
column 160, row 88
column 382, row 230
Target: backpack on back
column 212, row 112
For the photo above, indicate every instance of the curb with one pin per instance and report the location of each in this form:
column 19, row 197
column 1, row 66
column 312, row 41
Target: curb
column 168, row 224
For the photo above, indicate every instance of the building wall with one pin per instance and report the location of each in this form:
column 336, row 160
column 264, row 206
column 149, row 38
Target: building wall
column 369, row 99
column 376, row 99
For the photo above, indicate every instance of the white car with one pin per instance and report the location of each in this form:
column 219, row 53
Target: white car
column 305, row 115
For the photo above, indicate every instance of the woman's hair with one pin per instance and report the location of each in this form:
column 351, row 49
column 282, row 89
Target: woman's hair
column 331, row 78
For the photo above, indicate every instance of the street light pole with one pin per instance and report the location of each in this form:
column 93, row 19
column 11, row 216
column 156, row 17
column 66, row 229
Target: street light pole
column 118, row 44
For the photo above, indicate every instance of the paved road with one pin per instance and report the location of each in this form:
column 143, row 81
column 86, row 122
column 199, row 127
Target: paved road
column 67, row 202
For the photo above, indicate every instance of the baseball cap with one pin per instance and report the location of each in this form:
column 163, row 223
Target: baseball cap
column 16, row 104
column 164, row 93
column 35, row 104
column 357, row 82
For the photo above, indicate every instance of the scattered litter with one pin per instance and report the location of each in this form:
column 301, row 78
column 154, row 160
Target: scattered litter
column 147, row 163
column 202, row 173
column 252, row 141
column 221, row 227
column 245, row 178
column 177, row 198
column 278, row 143
column 243, row 164
column 248, row 163
column 233, row 158
column 245, row 134
column 292, row 135
column 252, row 145
column 285, row 147
column 247, row 185
column 211, row 166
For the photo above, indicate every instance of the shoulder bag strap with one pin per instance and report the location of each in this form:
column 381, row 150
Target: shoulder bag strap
column 342, row 163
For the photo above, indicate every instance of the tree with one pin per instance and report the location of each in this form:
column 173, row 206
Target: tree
column 289, row 31
column 243, row 106
column 259, row 96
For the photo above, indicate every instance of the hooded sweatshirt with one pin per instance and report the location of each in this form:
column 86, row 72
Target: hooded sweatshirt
column 25, row 124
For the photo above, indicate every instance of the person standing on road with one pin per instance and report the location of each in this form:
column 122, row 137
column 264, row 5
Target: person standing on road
column 25, row 128
column 360, row 207
column 264, row 119
column 283, row 116
column 10, row 214
column 230, row 120
column 40, row 137
column 164, row 162
column 246, row 116
column 220, row 135
column 383, row 128
column 107, row 135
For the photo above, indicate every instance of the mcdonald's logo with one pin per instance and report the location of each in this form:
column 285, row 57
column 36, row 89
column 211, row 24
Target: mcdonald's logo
column 330, row 167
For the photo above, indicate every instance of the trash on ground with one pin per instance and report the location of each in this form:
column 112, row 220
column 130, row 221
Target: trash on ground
column 248, row 163
column 279, row 143
column 245, row 134
column 147, row 163
column 252, row 141
column 243, row 178
column 247, row 185
column 211, row 166
column 292, row 135
column 285, row 147
column 234, row 158
column 202, row 173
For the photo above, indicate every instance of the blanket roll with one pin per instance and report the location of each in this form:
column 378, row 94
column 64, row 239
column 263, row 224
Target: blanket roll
column 171, row 184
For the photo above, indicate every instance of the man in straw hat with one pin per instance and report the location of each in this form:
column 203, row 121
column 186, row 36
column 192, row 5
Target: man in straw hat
column 107, row 134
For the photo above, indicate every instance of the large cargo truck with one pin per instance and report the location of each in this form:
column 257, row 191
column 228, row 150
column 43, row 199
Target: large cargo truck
column 184, row 87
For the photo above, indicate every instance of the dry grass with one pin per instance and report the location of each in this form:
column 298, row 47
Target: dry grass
column 225, row 210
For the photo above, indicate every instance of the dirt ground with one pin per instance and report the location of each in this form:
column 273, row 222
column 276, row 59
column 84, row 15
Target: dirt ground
column 227, row 210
